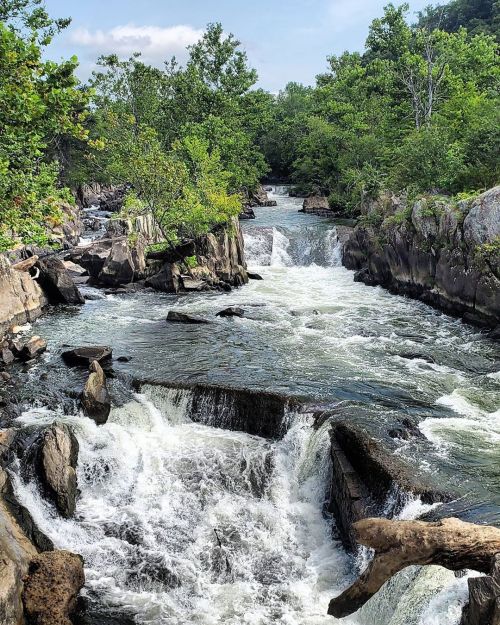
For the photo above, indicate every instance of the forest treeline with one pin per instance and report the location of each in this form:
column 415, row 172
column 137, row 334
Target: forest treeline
column 417, row 111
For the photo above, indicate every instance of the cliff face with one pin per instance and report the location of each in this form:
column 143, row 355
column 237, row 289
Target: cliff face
column 445, row 253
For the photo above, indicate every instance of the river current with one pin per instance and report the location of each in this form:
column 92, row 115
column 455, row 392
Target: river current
column 184, row 523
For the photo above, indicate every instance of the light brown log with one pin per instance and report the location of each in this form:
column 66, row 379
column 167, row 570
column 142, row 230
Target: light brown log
column 451, row 543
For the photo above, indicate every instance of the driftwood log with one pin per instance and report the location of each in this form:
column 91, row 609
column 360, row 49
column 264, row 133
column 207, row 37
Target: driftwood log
column 397, row 544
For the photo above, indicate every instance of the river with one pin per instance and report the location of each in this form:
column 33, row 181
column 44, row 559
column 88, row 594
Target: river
column 185, row 523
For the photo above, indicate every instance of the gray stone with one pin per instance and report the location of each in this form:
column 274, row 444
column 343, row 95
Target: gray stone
column 96, row 401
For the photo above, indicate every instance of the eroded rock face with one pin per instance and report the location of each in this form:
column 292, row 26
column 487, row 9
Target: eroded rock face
column 51, row 588
column 106, row 197
column 57, row 282
column 59, row 456
column 260, row 198
column 484, row 598
column 445, row 254
column 21, row 299
column 96, row 401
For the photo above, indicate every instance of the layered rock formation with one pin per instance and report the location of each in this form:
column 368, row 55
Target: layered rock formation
column 445, row 253
column 106, row 197
column 316, row 205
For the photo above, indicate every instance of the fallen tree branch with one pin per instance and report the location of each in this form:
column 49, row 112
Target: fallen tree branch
column 451, row 543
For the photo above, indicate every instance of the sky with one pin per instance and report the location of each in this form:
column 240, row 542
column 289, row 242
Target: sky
column 285, row 40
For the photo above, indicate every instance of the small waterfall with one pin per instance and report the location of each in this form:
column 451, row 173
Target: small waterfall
column 184, row 523
column 277, row 247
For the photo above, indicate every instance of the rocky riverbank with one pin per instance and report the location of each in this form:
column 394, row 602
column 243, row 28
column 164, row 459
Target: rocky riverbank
column 443, row 252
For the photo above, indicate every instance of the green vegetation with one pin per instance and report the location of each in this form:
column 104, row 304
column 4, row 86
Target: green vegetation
column 416, row 113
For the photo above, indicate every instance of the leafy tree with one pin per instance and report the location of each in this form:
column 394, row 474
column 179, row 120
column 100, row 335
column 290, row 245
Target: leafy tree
column 40, row 104
column 477, row 16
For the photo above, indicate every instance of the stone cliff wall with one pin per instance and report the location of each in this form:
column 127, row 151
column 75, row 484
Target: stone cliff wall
column 445, row 253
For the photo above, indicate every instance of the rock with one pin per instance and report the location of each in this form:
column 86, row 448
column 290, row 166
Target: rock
column 316, row 205
column 232, row 311
column 33, row 348
column 92, row 257
column 95, row 397
column 25, row 265
column 254, row 276
column 106, row 197
column 57, row 282
column 246, row 213
column 22, row 298
column 450, row 543
column 83, row 356
column 484, row 598
column 124, row 264
column 68, row 233
column 364, row 473
column 431, row 255
column 168, row 279
column 59, row 456
column 51, row 588
column 406, row 430
column 124, row 359
column 16, row 552
column 5, row 377
column 6, row 356
column 260, row 198
column 417, row 356
column 177, row 317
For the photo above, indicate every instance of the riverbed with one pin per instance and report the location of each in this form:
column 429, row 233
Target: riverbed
column 184, row 523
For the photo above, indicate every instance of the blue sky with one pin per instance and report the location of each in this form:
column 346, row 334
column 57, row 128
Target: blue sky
column 284, row 39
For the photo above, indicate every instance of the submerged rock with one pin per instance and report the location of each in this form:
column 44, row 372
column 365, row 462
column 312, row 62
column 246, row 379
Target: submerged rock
column 232, row 311
column 83, row 356
column 51, row 588
column 59, row 455
column 254, row 276
column 57, row 282
column 95, row 397
column 178, row 317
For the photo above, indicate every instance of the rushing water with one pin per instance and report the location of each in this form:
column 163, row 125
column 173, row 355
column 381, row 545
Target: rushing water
column 184, row 523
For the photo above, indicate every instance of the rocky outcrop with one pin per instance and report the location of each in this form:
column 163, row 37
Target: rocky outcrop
column 57, row 282
column 96, row 401
column 21, row 300
column 59, row 455
column 364, row 474
column 260, row 198
column 246, row 213
column 68, row 232
column 52, row 585
column 445, row 253
column 213, row 261
column 106, row 197
column 450, row 543
column 316, row 205
column 32, row 348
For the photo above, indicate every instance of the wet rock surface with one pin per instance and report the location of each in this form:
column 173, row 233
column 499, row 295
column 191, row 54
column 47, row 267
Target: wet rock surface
column 59, row 456
column 96, row 401
column 83, row 356
column 364, row 474
column 232, row 311
column 316, row 205
column 51, row 588
column 177, row 317
column 484, row 598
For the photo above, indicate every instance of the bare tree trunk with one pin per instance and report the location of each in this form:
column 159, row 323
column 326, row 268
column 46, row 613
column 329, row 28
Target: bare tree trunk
column 450, row 543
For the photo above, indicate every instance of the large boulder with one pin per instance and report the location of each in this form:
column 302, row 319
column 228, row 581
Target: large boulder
column 316, row 205
column 59, row 456
column 177, row 317
column 83, row 356
column 125, row 263
column 22, row 298
column 260, row 198
column 57, row 282
column 33, row 347
column 96, row 401
column 52, row 585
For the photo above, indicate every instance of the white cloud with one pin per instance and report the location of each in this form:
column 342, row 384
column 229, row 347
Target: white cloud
column 155, row 44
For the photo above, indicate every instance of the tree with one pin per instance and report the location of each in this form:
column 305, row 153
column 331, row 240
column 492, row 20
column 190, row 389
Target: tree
column 40, row 104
